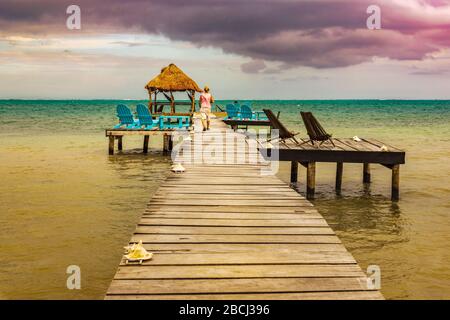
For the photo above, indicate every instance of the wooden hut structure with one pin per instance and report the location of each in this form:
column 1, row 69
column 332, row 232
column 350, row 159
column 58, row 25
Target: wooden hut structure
column 171, row 79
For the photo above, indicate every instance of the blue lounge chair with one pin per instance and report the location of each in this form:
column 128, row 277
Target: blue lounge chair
column 145, row 118
column 231, row 111
column 125, row 118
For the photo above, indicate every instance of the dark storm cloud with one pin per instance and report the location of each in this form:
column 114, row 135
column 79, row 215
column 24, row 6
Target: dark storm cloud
column 321, row 33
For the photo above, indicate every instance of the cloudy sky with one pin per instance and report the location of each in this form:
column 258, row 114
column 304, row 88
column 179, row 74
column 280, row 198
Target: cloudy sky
column 248, row 49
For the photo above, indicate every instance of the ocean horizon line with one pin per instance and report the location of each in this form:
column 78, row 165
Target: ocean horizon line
column 222, row 99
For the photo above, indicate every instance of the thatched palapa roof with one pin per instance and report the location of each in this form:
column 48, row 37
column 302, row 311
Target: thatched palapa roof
column 172, row 78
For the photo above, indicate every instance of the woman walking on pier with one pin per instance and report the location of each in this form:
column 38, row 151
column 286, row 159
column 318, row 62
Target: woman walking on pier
column 205, row 107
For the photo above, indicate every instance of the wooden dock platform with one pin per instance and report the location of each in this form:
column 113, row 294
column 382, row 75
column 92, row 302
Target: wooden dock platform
column 224, row 231
column 345, row 150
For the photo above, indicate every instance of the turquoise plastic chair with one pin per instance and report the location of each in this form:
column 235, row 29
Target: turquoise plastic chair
column 145, row 117
column 231, row 111
column 246, row 113
column 260, row 115
column 165, row 122
column 238, row 107
column 125, row 118
column 181, row 122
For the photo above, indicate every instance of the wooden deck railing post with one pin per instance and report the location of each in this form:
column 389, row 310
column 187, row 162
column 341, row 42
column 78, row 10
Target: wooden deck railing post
column 146, row 139
column 111, row 145
column 395, row 191
column 339, row 169
column 366, row 173
column 310, row 180
column 294, row 171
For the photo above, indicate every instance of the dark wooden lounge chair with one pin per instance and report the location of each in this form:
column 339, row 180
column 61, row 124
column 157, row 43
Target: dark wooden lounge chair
column 314, row 129
column 284, row 133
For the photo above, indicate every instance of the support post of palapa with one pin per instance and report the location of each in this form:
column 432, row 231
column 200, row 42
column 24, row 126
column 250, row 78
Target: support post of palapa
column 339, row 170
column 310, row 180
column 294, row 171
column 172, row 103
column 145, row 148
column 111, row 145
column 150, row 104
column 395, row 189
column 192, row 98
column 366, row 173
column 156, row 99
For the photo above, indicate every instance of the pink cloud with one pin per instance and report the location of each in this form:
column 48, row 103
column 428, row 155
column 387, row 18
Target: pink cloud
column 321, row 34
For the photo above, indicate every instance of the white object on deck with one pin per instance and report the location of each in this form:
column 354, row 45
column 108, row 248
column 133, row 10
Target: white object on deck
column 356, row 138
column 178, row 168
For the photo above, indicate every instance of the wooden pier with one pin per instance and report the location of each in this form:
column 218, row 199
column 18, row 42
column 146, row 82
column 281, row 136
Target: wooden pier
column 366, row 152
column 223, row 231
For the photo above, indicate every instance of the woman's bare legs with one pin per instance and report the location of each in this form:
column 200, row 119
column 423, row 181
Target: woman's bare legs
column 208, row 113
column 204, row 124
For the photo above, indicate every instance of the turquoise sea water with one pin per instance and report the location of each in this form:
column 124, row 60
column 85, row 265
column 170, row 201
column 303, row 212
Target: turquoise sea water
column 64, row 201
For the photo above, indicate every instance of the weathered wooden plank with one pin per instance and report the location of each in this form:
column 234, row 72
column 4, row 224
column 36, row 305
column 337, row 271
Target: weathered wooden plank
column 198, row 286
column 251, row 212
column 211, row 197
column 282, row 193
column 149, row 238
column 232, row 182
column 231, row 215
column 359, row 145
column 142, row 228
column 233, row 222
column 228, row 202
column 249, row 248
column 238, row 271
column 379, row 144
column 341, row 295
column 218, row 208
column 307, row 257
column 342, row 146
